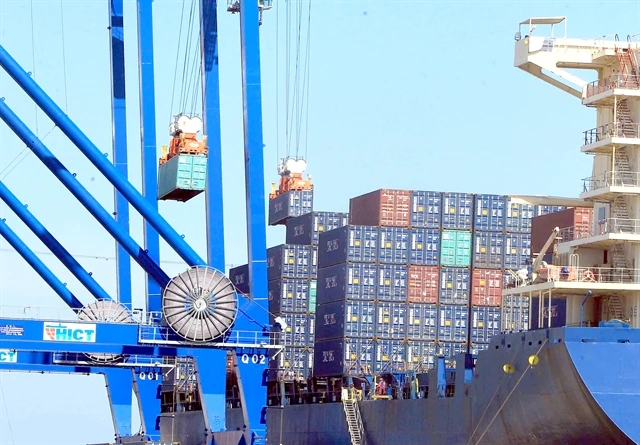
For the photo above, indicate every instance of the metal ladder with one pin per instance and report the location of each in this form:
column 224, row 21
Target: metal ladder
column 619, row 208
column 624, row 121
column 620, row 268
column 352, row 414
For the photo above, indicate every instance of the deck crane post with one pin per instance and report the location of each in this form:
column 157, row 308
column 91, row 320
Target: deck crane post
column 538, row 261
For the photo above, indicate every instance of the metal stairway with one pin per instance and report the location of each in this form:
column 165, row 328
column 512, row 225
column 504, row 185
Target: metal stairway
column 622, row 174
column 626, row 126
column 626, row 59
column 352, row 413
column 621, row 271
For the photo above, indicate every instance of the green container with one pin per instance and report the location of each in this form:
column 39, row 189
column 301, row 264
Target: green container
column 455, row 248
column 182, row 177
column 312, row 296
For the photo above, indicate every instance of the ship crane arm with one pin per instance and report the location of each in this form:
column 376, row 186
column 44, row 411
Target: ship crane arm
column 538, row 262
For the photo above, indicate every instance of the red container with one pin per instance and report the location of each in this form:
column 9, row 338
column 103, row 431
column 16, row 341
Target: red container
column 423, row 284
column 486, row 287
column 578, row 219
column 389, row 208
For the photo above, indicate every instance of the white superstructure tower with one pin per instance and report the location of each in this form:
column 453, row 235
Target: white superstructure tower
column 595, row 271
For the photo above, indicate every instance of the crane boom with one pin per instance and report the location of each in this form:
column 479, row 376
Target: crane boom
column 543, row 251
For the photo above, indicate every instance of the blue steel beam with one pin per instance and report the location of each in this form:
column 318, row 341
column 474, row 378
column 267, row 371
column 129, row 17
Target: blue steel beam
column 119, row 118
column 48, row 239
column 98, row 159
column 37, row 264
column 254, row 398
column 149, row 147
column 87, row 200
column 211, row 121
column 149, row 403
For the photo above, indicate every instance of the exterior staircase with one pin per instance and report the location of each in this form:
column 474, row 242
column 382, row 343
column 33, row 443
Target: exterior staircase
column 621, row 272
column 352, row 414
column 625, row 126
column 623, row 176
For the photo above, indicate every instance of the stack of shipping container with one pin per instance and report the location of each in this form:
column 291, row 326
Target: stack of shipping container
column 413, row 275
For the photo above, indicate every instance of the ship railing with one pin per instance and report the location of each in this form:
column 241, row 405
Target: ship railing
column 58, row 313
column 601, row 227
column 609, row 275
column 611, row 179
column 615, row 81
column 611, row 130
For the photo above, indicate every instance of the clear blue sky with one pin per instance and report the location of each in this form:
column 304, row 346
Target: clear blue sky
column 404, row 94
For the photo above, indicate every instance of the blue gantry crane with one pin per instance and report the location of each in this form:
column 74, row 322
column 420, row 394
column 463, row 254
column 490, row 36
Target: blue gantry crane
column 197, row 314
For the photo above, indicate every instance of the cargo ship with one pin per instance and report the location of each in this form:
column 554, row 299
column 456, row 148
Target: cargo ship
column 424, row 317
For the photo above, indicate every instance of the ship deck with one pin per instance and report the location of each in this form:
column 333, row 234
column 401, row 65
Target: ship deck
column 572, row 288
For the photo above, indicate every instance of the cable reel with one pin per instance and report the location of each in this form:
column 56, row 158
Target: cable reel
column 200, row 304
column 108, row 311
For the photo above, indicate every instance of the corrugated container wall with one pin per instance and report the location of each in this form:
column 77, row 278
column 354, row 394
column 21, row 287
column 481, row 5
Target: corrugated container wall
column 558, row 312
column 455, row 248
column 486, row 287
column 289, row 205
column 426, row 209
column 457, row 211
column 452, row 321
column 393, row 245
column 385, row 207
column 454, row 285
column 357, row 281
column 289, row 261
column 423, row 284
column 391, row 322
column 390, row 356
column 485, row 323
column 288, row 295
column 424, row 247
column 305, row 229
column 350, row 318
column 344, row 356
column 578, row 220
column 517, row 250
column 421, row 355
column 292, row 362
column 490, row 213
column 546, row 209
column 488, row 250
column 519, row 217
column 297, row 331
column 349, row 243
column 422, row 321
column 392, row 282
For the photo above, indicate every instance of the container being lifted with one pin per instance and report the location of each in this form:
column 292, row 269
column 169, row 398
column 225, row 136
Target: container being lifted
column 182, row 172
column 294, row 195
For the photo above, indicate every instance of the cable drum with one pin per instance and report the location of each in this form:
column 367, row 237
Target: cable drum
column 105, row 311
column 200, row 304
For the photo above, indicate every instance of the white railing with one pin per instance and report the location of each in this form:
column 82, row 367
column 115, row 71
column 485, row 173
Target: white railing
column 55, row 313
column 609, row 83
column 602, row 227
column 131, row 360
column 611, row 130
column 611, row 179
column 609, row 275
column 234, row 339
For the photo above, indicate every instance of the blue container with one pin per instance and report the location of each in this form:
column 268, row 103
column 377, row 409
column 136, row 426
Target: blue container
column 422, row 321
column 545, row 209
column 391, row 320
column 343, row 356
column 421, row 355
column 239, row 276
column 515, row 318
column 485, row 323
column 393, row 245
column 488, row 250
column 426, row 209
column 455, row 283
column 450, row 349
column 349, row 318
column 391, row 356
column 424, row 247
column 291, row 363
column 519, row 217
column 353, row 281
column 182, row 177
column 289, row 295
column 289, row 205
column 306, row 229
column 311, row 338
column 517, row 250
column 455, row 248
column 313, row 273
column 477, row 347
column 558, row 313
column 392, row 282
column 297, row 331
column 287, row 261
column 457, row 211
column 452, row 323
column 490, row 213
column 348, row 244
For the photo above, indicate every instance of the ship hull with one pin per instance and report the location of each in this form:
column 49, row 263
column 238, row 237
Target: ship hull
column 584, row 389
